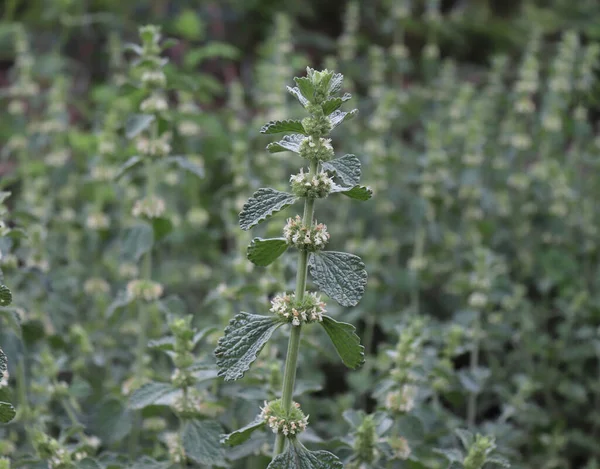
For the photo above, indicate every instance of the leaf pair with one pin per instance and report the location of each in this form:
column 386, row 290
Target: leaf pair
column 247, row 334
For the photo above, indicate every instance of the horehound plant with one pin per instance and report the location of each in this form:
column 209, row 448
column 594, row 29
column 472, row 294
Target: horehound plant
column 338, row 274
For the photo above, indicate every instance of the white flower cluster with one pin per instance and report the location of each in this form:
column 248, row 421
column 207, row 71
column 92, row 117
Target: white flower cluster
column 190, row 404
column 154, row 147
column 312, row 187
column 402, row 400
column 400, row 446
column 103, row 172
column 319, row 149
column 154, row 78
column 154, row 104
column 175, row 447
column 305, row 237
column 292, row 425
column 57, row 158
column 310, row 309
column 144, row 290
column 150, row 207
column 97, row 221
column 95, row 286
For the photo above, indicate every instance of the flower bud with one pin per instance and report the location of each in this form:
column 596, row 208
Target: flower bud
column 281, row 420
column 309, row 309
column 303, row 237
column 315, row 187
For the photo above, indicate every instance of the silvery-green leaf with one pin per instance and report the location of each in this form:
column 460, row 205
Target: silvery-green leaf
column 334, row 103
column 3, row 363
column 263, row 252
column 137, row 123
column 335, row 85
column 337, row 117
column 346, row 168
column 122, row 300
column 341, row 275
column 244, row 338
column 239, row 436
column 7, row 412
column 185, row 164
column 151, row 394
column 306, row 87
column 128, row 165
column 201, row 442
column 452, row 455
column 498, row 460
column 146, row 462
column 298, row 457
column 264, row 203
column 466, row 437
column 138, row 240
column 346, row 342
column 357, row 192
column 5, row 295
column 287, row 143
column 295, row 91
column 276, row 127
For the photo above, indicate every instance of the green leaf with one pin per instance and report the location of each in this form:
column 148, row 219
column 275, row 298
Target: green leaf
column 335, row 85
column 346, row 168
column 340, row 275
column 137, row 123
column 164, row 343
column 346, row 342
column 466, row 437
column 276, row 127
column 189, row 25
column 295, row 91
column 201, row 441
column 264, row 203
column 111, row 421
column 3, row 363
column 306, row 87
column 138, row 240
column 333, row 104
column 128, row 165
column 239, row 436
column 287, row 143
column 161, row 227
column 498, row 460
column 88, row 463
column 146, row 462
column 7, row 412
column 5, row 295
column 357, row 192
column 263, row 252
column 185, row 164
column 151, row 394
column 452, row 455
column 298, row 457
column 337, row 117
column 244, row 338
column 119, row 302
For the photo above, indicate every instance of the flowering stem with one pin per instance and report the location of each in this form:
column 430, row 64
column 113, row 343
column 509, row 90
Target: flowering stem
column 291, row 361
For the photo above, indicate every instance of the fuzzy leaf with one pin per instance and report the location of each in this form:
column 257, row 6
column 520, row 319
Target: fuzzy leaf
column 264, row 203
column 452, row 455
column 306, row 87
column 7, row 412
column 287, row 143
column 244, row 338
column 150, row 394
column 346, row 168
column 3, row 363
column 466, row 437
column 346, row 342
column 276, row 127
column 243, row 434
column 295, row 91
column 128, row 165
column 498, row 460
column 5, row 295
column 357, row 192
column 146, row 462
column 185, row 164
column 333, row 104
column 137, row 123
column 88, row 463
column 298, row 457
column 337, row 117
column 340, row 275
column 335, row 85
column 138, row 240
column 200, row 439
column 263, row 252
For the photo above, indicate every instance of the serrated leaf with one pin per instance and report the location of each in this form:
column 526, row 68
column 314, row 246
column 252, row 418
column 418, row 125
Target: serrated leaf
column 263, row 252
column 244, row 338
column 127, row 166
column 466, row 437
column 3, row 363
column 298, row 457
column 276, row 127
column 357, row 192
column 335, row 85
column 498, row 460
column 243, row 434
column 137, row 123
column 201, row 442
column 452, row 455
column 333, row 104
column 346, row 168
column 185, row 164
column 264, row 203
column 7, row 412
column 138, row 240
column 5, row 295
column 306, row 87
column 337, row 117
column 150, row 394
column 287, row 143
column 341, row 275
column 164, row 343
column 295, row 91
column 346, row 342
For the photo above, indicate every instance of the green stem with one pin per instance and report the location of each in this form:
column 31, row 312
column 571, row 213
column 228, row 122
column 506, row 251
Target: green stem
column 291, row 361
column 473, row 364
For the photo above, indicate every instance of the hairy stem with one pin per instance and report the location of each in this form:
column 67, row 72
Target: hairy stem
column 291, row 361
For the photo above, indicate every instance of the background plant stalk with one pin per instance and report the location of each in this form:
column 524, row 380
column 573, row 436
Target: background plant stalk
column 289, row 376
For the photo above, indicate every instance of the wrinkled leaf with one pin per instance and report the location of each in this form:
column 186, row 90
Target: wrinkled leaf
column 263, row 252
column 357, row 192
column 150, row 394
column 137, row 123
column 7, row 412
column 264, row 203
column 335, row 85
column 333, row 104
column 295, row 91
column 5, row 295
column 3, row 363
column 244, row 338
column 276, row 127
column 346, row 342
column 340, row 275
column 498, row 460
column 306, row 87
column 239, row 436
column 337, row 117
column 298, row 457
column 346, row 168
column 287, row 143
column 201, row 441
